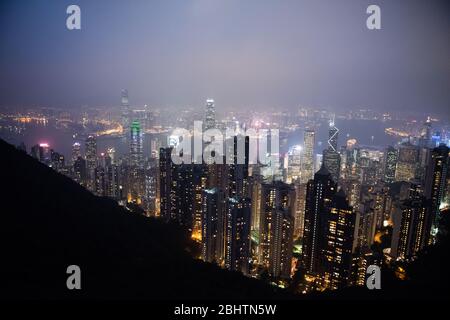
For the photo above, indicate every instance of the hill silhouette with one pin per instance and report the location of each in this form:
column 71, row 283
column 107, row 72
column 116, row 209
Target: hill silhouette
column 49, row 222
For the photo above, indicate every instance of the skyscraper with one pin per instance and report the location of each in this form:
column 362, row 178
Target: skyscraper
column 76, row 152
column 339, row 242
column 331, row 156
column 436, row 183
column 91, row 161
column 408, row 158
column 126, row 113
column 165, row 177
column 91, row 152
column 237, row 241
column 276, row 229
column 307, row 172
column 390, row 164
column 319, row 194
column 210, row 115
column 413, row 232
column 136, row 154
column 213, row 226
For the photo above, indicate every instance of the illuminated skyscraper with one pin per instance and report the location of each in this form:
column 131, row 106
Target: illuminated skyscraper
column 294, row 163
column 237, row 242
column 319, row 194
column 166, row 168
column 425, row 135
column 408, row 159
column 390, row 164
column 331, row 156
column 91, row 153
column 339, row 242
column 126, row 112
column 91, row 162
column 76, row 152
column 213, row 226
column 210, row 115
column 276, row 228
column 413, row 231
column 436, row 184
column 307, row 172
column 136, row 154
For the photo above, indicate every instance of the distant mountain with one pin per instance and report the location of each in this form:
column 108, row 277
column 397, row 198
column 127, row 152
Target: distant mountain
column 48, row 222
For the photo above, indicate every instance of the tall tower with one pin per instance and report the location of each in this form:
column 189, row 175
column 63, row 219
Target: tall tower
column 76, row 152
column 91, row 161
column 390, row 164
column 210, row 115
column 166, row 180
column 319, row 194
column 276, row 228
column 436, row 184
column 136, row 153
column 213, row 226
column 333, row 134
column 408, row 158
column 339, row 242
column 125, row 106
column 307, row 171
column 237, row 239
column 414, row 213
column 331, row 156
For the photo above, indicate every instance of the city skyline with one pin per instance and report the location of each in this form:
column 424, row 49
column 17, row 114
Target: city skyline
column 206, row 151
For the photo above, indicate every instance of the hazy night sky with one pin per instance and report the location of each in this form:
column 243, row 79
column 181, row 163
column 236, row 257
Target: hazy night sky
column 243, row 53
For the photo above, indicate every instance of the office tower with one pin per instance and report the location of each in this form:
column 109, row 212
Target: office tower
column 112, row 182
column 413, row 232
column 165, row 176
column 91, row 153
column 390, row 164
column 319, row 194
column 80, row 171
column 332, row 161
column 57, row 161
column 91, row 161
column 276, row 229
column 210, row 115
column 126, row 113
column 200, row 178
column 408, row 157
column 294, row 163
column 436, row 184
column 44, row 155
column 339, row 242
column 237, row 178
column 331, row 156
column 76, row 152
column 182, row 195
column 151, row 190
column 299, row 209
column 425, row 134
column 333, row 136
column 308, row 156
column 237, row 240
column 100, row 188
column 136, row 153
column 213, row 226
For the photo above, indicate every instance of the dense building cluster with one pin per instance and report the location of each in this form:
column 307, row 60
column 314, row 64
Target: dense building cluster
column 325, row 217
